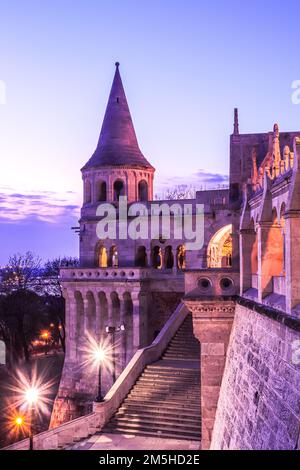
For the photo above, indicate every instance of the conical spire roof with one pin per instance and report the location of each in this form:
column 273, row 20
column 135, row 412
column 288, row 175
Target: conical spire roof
column 117, row 145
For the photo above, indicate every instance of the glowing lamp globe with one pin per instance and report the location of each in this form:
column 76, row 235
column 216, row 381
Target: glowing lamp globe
column 32, row 395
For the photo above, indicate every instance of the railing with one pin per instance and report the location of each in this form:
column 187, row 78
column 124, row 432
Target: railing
column 109, row 274
column 84, row 426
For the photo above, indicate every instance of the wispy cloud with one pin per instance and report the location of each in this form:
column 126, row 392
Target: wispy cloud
column 201, row 179
column 46, row 206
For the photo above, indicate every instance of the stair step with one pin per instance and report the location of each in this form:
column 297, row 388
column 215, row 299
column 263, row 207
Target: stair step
column 159, row 424
column 168, row 382
column 158, row 416
column 171, row 403
column 165, row 400
column 165, row 397
column 169, row 433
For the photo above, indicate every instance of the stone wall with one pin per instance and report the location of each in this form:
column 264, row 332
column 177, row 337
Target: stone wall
column 259, row 403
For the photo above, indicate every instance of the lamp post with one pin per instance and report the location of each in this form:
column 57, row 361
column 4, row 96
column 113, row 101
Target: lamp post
column 31, row 397
column 112, row 330
column 19, row 423
column 99, row 356
column 46, row 336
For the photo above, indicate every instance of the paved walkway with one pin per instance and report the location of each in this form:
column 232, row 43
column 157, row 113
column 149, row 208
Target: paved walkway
column 130, row 442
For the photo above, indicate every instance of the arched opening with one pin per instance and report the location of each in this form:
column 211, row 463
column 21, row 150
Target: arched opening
column 273, row 252
column 219, row 251
column 156, row 257
column 226, row 259
column 169, row 257
column 119, row 189
column 87, row 192
column 282, row 225
column 101, row 191
column 143, row 191
column 103, row 315
column 180, row 257
column 114, row 322
column 113, row 259
column 91, row 314
column 254, row 250
column 128, row 332
column 141, row 257
column 102, row 257
column 79, row 320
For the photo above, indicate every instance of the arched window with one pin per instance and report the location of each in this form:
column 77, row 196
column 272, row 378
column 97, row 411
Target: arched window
column 156, row 257
column 169, row 257
column 141, row 257
column 113, row 257
column 100, row 191
column 87, row 192
column 143, row 191
column 102, row 257
column 119, row 189
column 181, row 257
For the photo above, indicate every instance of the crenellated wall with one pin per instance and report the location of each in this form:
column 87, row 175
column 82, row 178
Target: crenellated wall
column 259, row 403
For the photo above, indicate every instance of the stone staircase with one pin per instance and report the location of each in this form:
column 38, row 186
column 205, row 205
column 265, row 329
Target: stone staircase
column 165, row 400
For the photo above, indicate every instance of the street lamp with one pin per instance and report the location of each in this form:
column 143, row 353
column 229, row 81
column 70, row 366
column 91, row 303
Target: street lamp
column 31, row 396
column 112, row 330
column 18, row 423
column 46, row 336
column 99, row 357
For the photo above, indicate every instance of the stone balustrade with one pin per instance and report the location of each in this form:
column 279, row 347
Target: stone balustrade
column 80, row 428
column 124, row 274
column 109, row 274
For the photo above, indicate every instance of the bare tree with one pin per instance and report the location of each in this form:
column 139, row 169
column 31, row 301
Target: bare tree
column 21, row 272
column 183, row 191
column 55, row 301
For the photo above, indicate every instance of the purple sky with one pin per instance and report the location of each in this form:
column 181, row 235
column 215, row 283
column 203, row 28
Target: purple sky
column 185, row 65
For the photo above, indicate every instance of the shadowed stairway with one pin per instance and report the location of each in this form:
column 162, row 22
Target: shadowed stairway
column 165, row 400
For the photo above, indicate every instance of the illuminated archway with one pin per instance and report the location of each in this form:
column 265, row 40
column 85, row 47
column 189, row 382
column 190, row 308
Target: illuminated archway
column 219, row 251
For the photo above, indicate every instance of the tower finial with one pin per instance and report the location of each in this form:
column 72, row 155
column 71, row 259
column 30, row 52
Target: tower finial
column 236, row 122
column 117, row 64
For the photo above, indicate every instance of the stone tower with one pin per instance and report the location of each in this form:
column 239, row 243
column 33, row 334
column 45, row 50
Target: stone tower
column 117, row 167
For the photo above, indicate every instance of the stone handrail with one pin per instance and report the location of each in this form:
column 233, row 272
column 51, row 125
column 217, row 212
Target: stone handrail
column 87, row 425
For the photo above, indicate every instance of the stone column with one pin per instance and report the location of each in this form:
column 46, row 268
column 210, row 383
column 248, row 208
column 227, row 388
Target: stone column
column 212, row 324
column 85, row 313
column 292, row 265
column 122, row 333
column 98, row 315
column 247, row 240
column 70, row 325
column 137, row 322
